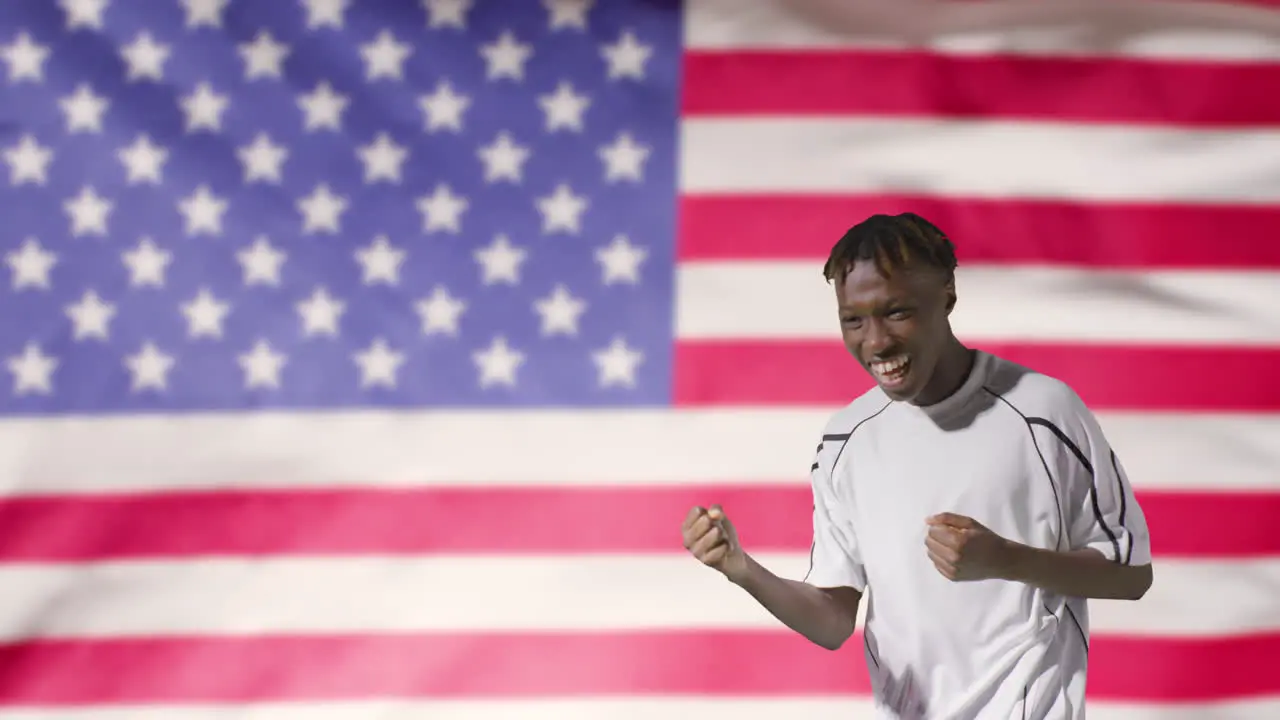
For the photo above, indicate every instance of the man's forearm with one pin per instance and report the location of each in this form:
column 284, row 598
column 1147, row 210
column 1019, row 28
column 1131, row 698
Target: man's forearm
column 1078, row 573
column 804, row 608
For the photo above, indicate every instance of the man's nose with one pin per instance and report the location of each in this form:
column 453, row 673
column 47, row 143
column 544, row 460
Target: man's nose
column 878, row 338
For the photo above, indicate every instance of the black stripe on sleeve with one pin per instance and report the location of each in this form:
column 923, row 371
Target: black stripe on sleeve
column 1093, row 483
column 1062, row 521
column 812, row 547
column 842, row 438
column 1115, row 467
column 818, row 450
column 1124, row 501
column 1084, row 461
column 1057, row 431
column 848, row 435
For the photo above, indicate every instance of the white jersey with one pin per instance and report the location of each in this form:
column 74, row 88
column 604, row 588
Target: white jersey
column 1017, row 451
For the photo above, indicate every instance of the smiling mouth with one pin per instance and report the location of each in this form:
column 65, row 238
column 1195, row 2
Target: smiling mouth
column 891, row 372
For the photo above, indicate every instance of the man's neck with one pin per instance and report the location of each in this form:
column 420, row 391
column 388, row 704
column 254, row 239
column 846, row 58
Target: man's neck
column 953, row 369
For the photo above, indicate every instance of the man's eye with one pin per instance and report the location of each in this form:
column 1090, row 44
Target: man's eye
column 899, row 314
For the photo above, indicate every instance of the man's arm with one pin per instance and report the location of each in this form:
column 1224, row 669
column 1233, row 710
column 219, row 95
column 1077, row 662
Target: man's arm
column 1083, row 573
column 1107, row 544
column 964, row 549
column 823, row 607
column 1108, row 552
column 826, row 616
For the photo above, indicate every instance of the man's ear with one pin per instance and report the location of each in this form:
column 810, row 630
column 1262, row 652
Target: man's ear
column 951, row 295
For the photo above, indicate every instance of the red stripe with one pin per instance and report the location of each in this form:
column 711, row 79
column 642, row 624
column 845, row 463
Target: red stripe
column 990, row 231
column 842, row 82
column 913, row 83
column 512, row 521
column 547, row 664
column 1106, row 376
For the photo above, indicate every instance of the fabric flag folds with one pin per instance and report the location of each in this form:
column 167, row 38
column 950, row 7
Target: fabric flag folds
column 361, row 359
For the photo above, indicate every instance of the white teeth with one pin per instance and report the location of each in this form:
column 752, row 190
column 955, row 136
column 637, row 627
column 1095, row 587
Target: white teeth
column 887, row 367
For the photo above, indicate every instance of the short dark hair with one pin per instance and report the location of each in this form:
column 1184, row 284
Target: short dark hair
column 892, row 242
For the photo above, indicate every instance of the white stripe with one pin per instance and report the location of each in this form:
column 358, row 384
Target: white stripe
column 978, row 158
column 572, row 593
column 1211, row 30
column 615, row 708
column 1023, row 303
column 638, row 447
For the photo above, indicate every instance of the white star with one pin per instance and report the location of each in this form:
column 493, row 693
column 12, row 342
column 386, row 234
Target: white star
column 500, row 261
column 321, row 13
column 560, row 312
column 443, row 108
column 89, row 212
column 384, row 57
column 204, row 108
column 262, row 366
column 260, row 262
column 624, row 159
column 143, row 161
column 83, row 13
column 205, row 314
column 262, row 160
column 25, row 58
column 150, row 368
column 620, row 261
column 442, row 210
column 320, row 313
column 323, row 108
column 204, row 12
column 264, row 57
column 503, row 159
column 617, row 364
column 380, row 262
column 626, row 58
column 440, row 312
column 382, row 159
column 145, row 58
column 146, row 263
column 378, row 364
column 447, row 13
column 498, row 363
column 31, row 265
column 506, row 57
column 322, row 211
column 28, row 161
column 203, row 212
column 562, row 211
column 568, row 13
column 564, row 108
column 90, row 317
column 84, row 109
column 32, row 371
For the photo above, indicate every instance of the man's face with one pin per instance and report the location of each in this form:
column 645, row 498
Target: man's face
column 896, row 326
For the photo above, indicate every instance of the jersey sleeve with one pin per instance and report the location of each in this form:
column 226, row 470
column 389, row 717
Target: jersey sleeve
column 1101, row 509
column 834, row 560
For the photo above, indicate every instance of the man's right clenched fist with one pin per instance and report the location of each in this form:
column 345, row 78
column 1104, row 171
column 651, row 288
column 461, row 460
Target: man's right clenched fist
column 710, row 537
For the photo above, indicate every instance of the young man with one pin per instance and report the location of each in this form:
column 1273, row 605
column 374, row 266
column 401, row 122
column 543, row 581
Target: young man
column 976, row 500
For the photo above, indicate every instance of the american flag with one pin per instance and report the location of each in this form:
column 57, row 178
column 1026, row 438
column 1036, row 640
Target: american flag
column 362, row 358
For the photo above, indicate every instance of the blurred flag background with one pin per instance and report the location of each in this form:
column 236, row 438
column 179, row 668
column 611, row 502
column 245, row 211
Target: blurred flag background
column 362, row 357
